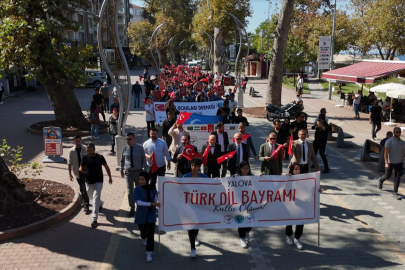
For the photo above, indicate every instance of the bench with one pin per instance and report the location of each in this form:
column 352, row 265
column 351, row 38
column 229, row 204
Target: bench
column 340, row 138
column 373, row 147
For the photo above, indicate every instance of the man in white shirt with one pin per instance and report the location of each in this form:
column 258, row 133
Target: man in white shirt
column 233, row 105
column 303, row 153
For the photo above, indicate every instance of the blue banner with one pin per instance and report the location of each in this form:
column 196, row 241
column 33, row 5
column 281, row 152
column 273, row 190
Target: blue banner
column 203, row 119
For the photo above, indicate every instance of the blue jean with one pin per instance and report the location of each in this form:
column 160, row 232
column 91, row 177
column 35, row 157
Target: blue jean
column 356, row 109
column 137, row 98
column 94, row 130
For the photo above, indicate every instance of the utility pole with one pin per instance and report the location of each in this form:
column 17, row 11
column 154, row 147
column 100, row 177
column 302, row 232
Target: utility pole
column 332, row 49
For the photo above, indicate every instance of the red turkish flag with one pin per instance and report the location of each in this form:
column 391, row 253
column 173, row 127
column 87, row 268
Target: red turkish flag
column 290, row 146
column 205, row 155
column 155, row 167
column 189, row 152
column 225, row 157
column 274, row 153
column 171, row 94
column 183, row 116
column 244, row 137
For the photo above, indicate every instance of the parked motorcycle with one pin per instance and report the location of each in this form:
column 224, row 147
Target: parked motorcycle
column 290, row 110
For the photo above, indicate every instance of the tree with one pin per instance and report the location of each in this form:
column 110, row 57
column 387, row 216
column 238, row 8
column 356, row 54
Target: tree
column 295, row 54
column 32, row 38
column 177, row 14
column 274, row 87
column 211, row 18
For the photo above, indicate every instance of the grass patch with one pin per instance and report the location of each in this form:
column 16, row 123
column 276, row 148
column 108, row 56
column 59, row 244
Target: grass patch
column 289, row 82
column 347, row 88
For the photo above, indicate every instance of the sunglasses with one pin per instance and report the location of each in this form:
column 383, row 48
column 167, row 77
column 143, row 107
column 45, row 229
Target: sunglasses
column 238, row 139
column 272, row 139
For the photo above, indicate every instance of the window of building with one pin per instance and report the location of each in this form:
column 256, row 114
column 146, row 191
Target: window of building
column 91, row 38
column 81, row 37
column 71, row 35
column 90, row 23
column 80, row 19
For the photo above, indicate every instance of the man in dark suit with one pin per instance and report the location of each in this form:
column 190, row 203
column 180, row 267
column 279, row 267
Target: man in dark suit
column 222, row 139
column 183, row 164
column 248, row 141
column 242, row 153
column 303, row 153
column 212, row 167
column 272, row 164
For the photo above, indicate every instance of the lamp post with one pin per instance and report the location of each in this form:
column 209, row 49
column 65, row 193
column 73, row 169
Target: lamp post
column 211, row 45
column 171, row 48
column 332, row 45
column 154, row 35
column 180, row 50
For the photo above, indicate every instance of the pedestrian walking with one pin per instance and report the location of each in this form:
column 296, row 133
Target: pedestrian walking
column 322, row 130
column 76, row 153
column 133, row 161
column 298, row 87
column 94, row 119
column 322, row 111
column 294, row 169
column 136, row 92
column 150, row 115
column 166, row 125
column 240, row 118
column 356, row 103
column 388, row 135
column 91, row 166
column 113, row 128
column 105, row 91
column 303, row 153
column 244, row 170
column 211, row 168
column 115, row 105
column 99, row 99
column 158, row 147
column 183, row 165
column 2, row 90
column 394, row 160
column 176, row 131
column 146, row 197
column 248, row 141
column 241, row 154
column 271, row 156
column 375, row 119
column 221, row 137
column 297, row 125
column 283, row 135
column 195, row 173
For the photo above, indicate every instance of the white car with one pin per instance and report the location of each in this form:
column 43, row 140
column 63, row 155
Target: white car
column 97, row 78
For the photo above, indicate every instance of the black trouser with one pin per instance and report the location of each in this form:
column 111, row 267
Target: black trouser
column 150, row 125
column 102, row 113
column 242, row 231
column 213, row 174
column 192, row 234
column 398, row 173
column 148, row 232
column 298, row 231
column 160, row 172
column 374, row 124
column 224, row 166
column 106, row 105
column 113, row 141
column 82, row 186
column 1, row 95
column 321, row 145
column 304, row 168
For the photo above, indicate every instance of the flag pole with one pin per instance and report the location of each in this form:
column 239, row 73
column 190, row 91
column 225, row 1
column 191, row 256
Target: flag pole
column 319, row 232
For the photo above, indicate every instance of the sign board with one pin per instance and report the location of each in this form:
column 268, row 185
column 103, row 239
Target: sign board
column 227, row 81
column 162, row 76
column 199, row 133
column 183, row 91
column 157, row 95
column 232, row 51
column 241, row 201
column 203, row 108
column 162, row 86
column 220, row 90
column 324, row 53
column 199, row 87
column 53, row 144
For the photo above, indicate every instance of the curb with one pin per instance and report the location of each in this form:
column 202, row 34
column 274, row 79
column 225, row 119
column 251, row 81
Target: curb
column 67, row 133
column 43, row 224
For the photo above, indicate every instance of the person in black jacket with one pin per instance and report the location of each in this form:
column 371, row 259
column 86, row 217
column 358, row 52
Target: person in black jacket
column 240, row 118
column 321, row 137
column 222, row 139
column 183, row 164
column 242, row 153
column 211, row 169
column 166, row 125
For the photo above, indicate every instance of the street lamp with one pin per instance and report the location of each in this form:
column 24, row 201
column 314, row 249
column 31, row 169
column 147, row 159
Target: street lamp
column 154, row 34
column 332, row 49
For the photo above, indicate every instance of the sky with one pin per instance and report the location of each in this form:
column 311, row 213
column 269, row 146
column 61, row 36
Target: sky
column 261, row 10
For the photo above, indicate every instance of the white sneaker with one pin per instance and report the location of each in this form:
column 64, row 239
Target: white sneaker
column 298, row 244
column 289, row 241
column 145, row 241
column 243, row 242
column 197, row 242
column 149, row 256
column 193, row 253
column 247, row 237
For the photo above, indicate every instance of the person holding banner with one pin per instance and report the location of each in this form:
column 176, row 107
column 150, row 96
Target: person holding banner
column 241, row 154
column 233, row 105
column 244, row 170
column 169, row 107
column 211, row 152
column 176, row 131
column 294, row 169
column 150, row 115
column 195, row 173
column 271, row 156
column 222, row 138
column 240, row 118
column 248, row 141
column 303, row 152
column 283, row 135
column 166, row 125
column 158, row 147
column 224, row 112
column 183, row 163
column 146, row 197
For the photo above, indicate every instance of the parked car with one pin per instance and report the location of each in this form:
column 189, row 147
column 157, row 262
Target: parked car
column 97, row 78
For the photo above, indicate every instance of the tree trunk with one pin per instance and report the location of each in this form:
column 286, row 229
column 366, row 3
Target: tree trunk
column 11, row 189
column 220, row 56
column 274, row 87
column 65, row 105
column 393, row 54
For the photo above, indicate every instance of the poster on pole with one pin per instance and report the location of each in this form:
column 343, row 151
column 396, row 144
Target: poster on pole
column 241, row 201
column 162, row 86
column 162, row 76
column 220, row 90
column 199, row 133
column 199, row 87
column 324, row 52
column 232, row 52
column 53, row 141
column 183, row 91
column 227, row 81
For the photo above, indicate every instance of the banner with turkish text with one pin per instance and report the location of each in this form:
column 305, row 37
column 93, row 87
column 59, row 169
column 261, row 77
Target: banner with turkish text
column 241, row 201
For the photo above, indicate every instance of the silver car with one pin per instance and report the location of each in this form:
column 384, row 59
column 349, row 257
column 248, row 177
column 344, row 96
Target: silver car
column 97, row 78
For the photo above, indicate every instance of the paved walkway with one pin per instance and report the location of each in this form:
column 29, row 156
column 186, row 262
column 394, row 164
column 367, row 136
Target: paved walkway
column 361, row 227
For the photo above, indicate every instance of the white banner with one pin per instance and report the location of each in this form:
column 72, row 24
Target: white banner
column 203, row 108
column 199, row 133
column 324, row 53
column 249, row 201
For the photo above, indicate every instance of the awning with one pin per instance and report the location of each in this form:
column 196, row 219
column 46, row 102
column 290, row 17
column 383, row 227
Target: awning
column 366, row 71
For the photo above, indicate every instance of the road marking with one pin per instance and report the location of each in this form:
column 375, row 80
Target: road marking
column 395, row 212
